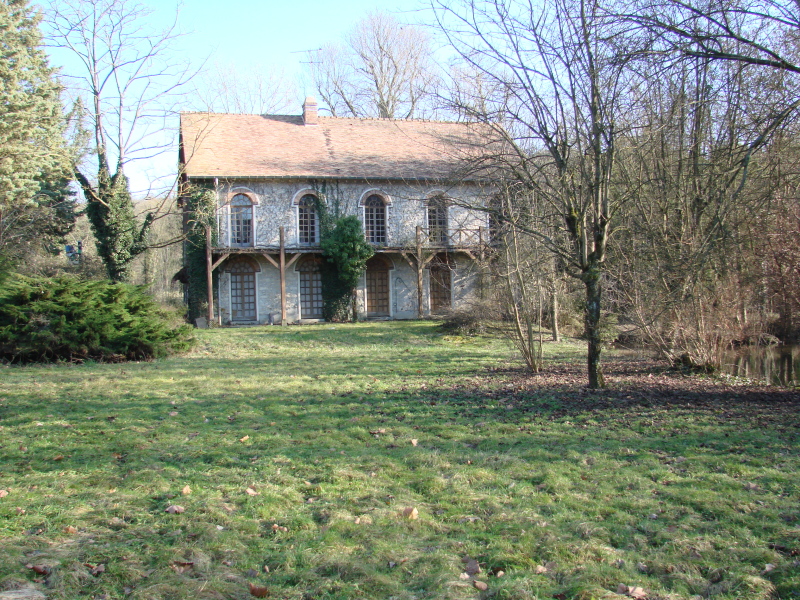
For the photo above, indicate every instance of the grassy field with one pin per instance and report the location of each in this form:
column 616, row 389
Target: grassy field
column 387, row 461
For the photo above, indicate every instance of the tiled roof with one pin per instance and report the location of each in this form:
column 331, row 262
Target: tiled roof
column 231, row 145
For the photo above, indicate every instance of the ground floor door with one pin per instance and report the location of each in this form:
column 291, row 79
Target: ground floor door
column 310, row 289
column 243, row 296
column 377, row 288
column 440, row 288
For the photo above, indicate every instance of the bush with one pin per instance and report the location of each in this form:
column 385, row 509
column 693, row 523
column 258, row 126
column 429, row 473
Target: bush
column 63, row 318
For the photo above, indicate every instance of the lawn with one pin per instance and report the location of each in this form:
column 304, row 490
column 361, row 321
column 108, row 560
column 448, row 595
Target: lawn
column 386, row 460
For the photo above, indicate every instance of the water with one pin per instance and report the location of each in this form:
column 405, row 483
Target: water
column 780, row 365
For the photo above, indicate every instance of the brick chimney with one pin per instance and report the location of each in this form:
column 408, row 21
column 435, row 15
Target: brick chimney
column 310, row 111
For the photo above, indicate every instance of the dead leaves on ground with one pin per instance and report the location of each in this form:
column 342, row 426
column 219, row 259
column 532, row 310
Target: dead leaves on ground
column 258, row 591
column 410, row 512
column 175, row 509
column 632, row 591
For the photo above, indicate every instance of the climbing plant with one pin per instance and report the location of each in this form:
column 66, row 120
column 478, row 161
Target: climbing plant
column 346, row 253
column 201, row 204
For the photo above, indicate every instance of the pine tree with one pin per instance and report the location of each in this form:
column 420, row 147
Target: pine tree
column 34, row 203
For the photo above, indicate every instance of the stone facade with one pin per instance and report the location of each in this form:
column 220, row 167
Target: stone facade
column 399, row 177
column 275, row 206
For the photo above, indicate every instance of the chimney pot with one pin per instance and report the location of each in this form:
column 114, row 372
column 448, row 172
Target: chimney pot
column 310, row 111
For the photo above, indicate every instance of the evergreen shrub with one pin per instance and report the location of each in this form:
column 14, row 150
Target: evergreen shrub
column 66, row 319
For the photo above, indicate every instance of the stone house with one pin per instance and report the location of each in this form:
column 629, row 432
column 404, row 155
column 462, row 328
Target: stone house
column 397, row 176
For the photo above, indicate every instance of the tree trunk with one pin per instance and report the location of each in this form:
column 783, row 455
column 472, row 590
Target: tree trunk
column 554, row 310
column 592, row 281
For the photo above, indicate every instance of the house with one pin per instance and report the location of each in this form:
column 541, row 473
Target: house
column 398, row 176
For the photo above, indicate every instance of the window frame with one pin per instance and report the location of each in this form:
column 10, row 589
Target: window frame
column 375, row 219
column 441, row 206
column 232, row 218
column 306, row 203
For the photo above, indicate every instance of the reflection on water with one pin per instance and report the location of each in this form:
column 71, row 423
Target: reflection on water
column 780, row 365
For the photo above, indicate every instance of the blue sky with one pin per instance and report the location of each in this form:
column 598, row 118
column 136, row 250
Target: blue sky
column 251, row 34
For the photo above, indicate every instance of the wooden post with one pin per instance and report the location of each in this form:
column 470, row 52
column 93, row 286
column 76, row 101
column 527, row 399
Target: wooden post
column 282, row 269
column 209, row 276
column 419, row 271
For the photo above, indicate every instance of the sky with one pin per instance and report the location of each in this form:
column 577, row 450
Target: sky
column 248, row 35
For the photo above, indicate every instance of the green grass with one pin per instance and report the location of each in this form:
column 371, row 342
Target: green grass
column 685, row 494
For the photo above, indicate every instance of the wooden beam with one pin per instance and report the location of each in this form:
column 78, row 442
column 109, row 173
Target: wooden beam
column 420, row 266
column 282, row 269
column 219, row 261
column 209, row 276
column 293, row 260
column 272, row 261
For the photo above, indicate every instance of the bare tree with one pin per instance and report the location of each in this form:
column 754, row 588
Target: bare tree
column 262, row 90
column 129, row 80
column 561, row 86
column 382, row 69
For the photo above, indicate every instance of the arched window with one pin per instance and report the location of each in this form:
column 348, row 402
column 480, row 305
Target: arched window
column 437, row 221
column 241, row 220
column 307, row 227
column 310, row 288
column 375, row 219
column 243, row 290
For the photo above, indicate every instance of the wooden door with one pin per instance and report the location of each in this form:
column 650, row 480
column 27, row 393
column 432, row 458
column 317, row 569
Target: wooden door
column 377, row 288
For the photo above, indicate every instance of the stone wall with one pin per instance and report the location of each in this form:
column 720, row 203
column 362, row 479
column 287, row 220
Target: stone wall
column 275, row 206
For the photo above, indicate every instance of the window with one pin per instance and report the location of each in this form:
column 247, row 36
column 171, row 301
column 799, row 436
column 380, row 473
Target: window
column 310, row 288
column 437, row 221
column 241, row 221
column 307, row 220
column 243, row 290
column 375, row 220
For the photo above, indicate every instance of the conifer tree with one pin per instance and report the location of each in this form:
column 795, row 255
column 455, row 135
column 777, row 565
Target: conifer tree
column 34, row 202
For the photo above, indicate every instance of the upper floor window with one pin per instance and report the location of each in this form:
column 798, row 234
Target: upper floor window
column 307, row 226
column 437, row 220
column 241, row 220
column 375, row 219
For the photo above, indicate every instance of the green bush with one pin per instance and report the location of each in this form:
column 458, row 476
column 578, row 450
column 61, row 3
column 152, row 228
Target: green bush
column 64, row 318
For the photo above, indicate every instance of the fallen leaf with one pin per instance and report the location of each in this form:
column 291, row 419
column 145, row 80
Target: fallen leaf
column 70, row 529
column 244, row 439
column 499, row 573
column 411, row 512
column 3, row 493
column 471, row 566
column 767, row 568
column 175, row 509
column 95, row 569
column 637, row 593
column 251, row 573
column 251, row 492
column 58, row 457
column 480, row 585
column 391, row 564
column 258, row 591
column 540, row 569
column 641, row 567
column 21, row 511
column 181, row 567
column 414, row 442
column 38, row 569
column 463, row 576
column 173, row 413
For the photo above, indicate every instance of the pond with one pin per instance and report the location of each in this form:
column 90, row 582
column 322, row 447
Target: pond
column 780, row 365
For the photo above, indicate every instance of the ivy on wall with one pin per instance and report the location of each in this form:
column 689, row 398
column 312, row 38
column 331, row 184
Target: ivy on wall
column 201, row 206
column 346, row 253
